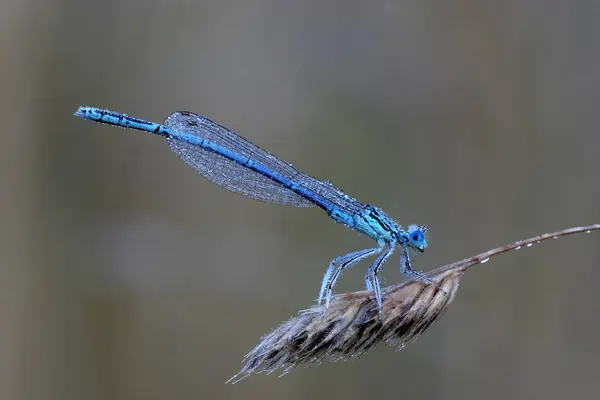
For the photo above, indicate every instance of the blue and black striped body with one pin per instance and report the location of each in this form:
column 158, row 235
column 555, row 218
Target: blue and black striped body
column 230, row 161
column 368, row 220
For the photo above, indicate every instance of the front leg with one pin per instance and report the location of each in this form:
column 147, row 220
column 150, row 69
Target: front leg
column 406, row 269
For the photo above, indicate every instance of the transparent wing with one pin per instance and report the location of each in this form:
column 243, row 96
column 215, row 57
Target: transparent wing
column 228, row 174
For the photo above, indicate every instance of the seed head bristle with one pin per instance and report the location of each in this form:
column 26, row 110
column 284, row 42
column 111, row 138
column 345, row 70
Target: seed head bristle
column 351, row 325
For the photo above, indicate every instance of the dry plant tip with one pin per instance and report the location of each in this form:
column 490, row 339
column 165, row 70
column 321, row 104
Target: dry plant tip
column 352, row 324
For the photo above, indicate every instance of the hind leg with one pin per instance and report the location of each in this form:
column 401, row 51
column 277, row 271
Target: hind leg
column 337, row 265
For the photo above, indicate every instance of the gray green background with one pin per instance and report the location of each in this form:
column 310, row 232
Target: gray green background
column 124, row 275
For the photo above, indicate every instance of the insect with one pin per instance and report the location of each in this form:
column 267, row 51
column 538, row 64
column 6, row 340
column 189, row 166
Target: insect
column 230, row 161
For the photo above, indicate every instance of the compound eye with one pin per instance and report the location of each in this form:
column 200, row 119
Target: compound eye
column 417, row 236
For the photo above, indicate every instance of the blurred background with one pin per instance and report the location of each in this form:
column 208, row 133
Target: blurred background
column 125, row 275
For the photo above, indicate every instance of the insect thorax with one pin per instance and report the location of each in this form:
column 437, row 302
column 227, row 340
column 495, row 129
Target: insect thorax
column 374, row 223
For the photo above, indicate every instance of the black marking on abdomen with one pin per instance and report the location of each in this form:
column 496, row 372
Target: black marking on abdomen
column 297, row 189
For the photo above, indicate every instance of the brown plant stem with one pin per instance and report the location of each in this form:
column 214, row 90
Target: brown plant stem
column 351, row 325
